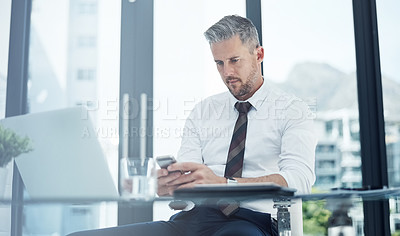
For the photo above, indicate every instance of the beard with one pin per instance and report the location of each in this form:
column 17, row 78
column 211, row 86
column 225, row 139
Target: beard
column 245, row 88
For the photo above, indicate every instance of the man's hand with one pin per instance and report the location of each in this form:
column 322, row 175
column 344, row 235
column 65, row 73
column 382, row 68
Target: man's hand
column 164, row 180
column 194, row 173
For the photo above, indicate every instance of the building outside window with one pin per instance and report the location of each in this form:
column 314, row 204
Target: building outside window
column 389, row 47
column 86, row 74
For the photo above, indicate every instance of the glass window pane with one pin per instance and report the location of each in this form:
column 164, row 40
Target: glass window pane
column 184, row 69
column 310, row 52
column 389, row 47
column 5, row 186
column 5, row 16
column 190, row 73
column 74, row 61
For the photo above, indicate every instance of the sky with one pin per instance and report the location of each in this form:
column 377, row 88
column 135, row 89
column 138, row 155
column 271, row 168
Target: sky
column 389, row 37
column 312, row 30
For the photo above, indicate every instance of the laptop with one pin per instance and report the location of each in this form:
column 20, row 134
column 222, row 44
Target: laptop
column 67, row 161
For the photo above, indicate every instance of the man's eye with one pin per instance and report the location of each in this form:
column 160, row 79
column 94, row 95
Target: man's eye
column 219, row 63
column 234, row 60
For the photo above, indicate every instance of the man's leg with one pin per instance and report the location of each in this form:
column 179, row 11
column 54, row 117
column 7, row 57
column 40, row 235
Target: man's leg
column 239, row 228
column 211, row 221
column 248, row 222
column 139, row 229
column 197, row 222
column 183, row 223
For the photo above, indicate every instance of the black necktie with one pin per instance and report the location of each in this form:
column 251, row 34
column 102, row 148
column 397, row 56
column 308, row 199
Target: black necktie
column 234, row 162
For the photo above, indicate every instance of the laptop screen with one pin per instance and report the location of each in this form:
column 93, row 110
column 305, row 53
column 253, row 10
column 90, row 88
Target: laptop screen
column 67, row 161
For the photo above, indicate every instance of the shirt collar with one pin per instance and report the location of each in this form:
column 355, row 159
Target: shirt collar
column 257, row 99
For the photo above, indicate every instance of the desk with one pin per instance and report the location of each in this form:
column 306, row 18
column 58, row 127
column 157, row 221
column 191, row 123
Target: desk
column 256, row 192
column 213, row 193
column 344, row 199
column 339, row 202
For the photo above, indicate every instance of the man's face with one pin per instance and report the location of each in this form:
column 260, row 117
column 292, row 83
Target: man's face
column 240, row 70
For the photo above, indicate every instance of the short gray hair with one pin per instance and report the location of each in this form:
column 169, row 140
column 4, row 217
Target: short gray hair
column 230, row 26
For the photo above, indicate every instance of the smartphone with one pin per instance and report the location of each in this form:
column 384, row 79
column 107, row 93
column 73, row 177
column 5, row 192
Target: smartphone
column 165, row 161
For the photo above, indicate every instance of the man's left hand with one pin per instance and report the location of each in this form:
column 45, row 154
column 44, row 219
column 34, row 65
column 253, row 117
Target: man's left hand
column 195, row 173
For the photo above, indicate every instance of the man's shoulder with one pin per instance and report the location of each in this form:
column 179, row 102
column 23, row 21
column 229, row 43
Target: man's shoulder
column 290, row 106
column 284, row 99
column 215, row 106
column 217, row 100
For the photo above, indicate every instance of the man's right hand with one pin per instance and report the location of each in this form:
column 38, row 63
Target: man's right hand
column 164, row 177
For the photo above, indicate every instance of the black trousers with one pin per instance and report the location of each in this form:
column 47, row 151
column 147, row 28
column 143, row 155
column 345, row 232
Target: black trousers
column 199, row 221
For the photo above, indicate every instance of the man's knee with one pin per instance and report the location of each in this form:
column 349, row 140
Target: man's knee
column 239, row 229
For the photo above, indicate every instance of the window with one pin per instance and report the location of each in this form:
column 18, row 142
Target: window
column 74, row 61
column 198, row 77
column 5, row 14
column 389, row 37
column 326, row 164
column 86, row 74
column 190, row 74
column 310, row 53
column 389, row 47
column 328, row 127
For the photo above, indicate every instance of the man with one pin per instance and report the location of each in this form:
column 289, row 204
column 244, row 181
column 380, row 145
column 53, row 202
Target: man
column 253, row 133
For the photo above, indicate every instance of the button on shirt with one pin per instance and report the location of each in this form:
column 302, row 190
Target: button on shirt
column 280, row 138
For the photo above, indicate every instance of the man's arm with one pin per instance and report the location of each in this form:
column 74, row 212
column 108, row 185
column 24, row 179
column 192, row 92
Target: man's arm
column 201, row 174
column 274, row 178
column 297, row 158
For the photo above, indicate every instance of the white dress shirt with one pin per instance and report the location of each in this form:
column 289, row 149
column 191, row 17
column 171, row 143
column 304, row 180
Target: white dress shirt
column 280, row 138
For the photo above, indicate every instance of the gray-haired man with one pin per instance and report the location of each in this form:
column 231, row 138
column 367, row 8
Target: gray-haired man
column 270, row 140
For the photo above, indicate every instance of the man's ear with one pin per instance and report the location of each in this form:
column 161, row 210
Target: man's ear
column 260, row 54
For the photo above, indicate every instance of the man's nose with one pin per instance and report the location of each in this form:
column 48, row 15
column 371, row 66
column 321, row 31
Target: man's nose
column 228, row 70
